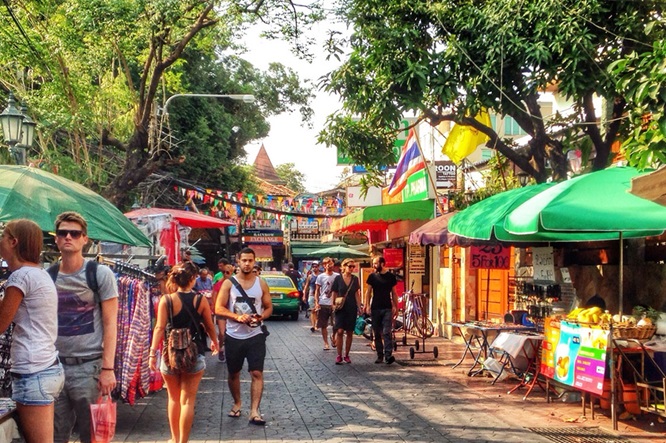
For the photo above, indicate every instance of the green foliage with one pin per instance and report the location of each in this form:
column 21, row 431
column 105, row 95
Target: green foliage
column 642, row 77
column 446, row 60
column 93, row 71
column 292, row 177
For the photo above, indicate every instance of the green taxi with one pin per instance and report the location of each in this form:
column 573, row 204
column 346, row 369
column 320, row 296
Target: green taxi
column 285, row 296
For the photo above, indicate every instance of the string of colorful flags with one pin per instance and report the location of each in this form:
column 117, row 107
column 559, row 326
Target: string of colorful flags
column 226, row 204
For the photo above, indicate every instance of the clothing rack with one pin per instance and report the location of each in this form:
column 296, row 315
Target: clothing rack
column 126, row 268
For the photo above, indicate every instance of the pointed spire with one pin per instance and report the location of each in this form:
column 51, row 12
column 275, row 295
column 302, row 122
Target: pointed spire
column 264, row 167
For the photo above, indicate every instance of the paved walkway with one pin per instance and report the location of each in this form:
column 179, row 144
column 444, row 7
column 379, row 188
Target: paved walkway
column 309, row 398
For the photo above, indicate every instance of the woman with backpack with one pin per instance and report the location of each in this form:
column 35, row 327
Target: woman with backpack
column 180, row 317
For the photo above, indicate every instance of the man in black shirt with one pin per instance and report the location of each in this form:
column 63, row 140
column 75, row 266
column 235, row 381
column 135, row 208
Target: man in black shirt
column 381, row 302
column 293, row 274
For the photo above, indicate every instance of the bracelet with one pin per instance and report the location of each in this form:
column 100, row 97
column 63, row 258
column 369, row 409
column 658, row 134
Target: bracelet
column 107, row 369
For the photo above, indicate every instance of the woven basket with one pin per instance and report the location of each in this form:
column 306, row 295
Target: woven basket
column 634, row 332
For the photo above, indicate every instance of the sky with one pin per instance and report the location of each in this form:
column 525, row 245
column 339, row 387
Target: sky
column 289, row 141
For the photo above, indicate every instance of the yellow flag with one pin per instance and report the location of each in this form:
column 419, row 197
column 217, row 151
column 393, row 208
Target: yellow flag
column 463, row 140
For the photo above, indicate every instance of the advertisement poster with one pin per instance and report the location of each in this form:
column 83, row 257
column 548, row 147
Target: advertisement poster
column 575, row 355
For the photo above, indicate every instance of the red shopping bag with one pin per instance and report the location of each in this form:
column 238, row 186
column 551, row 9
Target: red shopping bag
column 102, row 420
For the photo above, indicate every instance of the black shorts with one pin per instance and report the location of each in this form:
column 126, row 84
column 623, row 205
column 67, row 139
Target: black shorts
column 324, row 316
column 237, row 350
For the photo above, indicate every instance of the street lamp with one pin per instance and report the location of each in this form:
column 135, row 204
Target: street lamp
column 245, row 98
column 574, row 157
column 18, row 130
column 523, row 178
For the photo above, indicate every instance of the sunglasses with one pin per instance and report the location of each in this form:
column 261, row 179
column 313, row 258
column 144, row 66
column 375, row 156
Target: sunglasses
column 74, row 233
column 351, row 266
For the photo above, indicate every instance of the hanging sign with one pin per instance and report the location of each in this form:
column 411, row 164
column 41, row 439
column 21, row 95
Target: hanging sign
column 393, row 257
column 490, row 257
column 544, row 264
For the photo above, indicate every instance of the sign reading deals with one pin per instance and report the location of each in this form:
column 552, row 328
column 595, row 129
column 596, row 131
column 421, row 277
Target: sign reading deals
column 575, row 355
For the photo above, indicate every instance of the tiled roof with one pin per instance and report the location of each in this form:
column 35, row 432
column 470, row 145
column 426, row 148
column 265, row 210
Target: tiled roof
column 268, row 188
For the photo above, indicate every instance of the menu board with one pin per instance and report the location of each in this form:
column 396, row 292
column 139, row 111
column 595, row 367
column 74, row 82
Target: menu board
column 575, row 355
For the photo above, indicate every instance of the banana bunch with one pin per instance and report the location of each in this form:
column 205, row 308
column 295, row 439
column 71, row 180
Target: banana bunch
column 594, row 315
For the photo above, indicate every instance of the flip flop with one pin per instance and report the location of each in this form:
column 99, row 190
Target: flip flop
column 257, row 421
column 234, row 413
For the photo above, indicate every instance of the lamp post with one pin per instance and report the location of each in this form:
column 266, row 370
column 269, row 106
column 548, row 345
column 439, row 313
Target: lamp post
column 523, row 178
column 245, row 98
column 18, row 130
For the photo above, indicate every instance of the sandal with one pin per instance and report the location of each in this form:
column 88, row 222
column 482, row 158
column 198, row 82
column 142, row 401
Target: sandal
column 234, row 413
column 258, row 421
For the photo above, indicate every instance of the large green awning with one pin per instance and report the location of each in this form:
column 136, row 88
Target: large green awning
column 376, row 218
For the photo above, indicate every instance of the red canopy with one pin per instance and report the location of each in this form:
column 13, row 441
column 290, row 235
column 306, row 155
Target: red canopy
column 185, row 218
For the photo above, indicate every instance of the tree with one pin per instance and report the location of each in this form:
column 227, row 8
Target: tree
column 447, row 60
column 642, row 75
column 93, row 72
column 293, row 178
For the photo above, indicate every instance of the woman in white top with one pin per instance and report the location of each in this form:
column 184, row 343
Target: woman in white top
column 31, row 302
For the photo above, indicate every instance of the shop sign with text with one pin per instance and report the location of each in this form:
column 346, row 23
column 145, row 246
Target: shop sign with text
column 490, row 257
column 265, row 236
column 417, row 187
column 394, row 257
column 445, row 174
column 544, row 264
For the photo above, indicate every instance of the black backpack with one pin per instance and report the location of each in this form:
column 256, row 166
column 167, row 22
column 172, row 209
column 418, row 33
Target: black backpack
column 91, row 276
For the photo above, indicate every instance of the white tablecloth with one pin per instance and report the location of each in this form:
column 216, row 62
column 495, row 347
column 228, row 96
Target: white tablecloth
column 514, row 344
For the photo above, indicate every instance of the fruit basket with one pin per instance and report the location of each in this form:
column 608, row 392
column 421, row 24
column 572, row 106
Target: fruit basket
column 634, row 332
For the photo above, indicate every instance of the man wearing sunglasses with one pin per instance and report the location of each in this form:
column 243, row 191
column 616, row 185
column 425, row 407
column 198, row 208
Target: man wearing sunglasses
column 87, row 329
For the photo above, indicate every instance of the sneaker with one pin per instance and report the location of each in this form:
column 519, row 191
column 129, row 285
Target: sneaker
column 338, row 360
column 390, row 360
column 312, row 329
column 221, row 357
column 380, row 359
column 347, row 360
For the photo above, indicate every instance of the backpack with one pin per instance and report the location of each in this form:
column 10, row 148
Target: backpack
column 181, row 349
column 91, row 276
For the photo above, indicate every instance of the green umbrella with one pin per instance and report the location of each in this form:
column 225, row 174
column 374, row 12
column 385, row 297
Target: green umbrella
column 596, row 203
column 590, row 204
column 483, row 221
column 31, row 193
column 337, row 252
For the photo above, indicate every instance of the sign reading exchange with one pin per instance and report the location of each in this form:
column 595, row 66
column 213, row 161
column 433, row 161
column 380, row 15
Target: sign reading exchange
column 265, row 236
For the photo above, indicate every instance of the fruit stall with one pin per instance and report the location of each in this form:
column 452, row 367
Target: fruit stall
column 604, row 357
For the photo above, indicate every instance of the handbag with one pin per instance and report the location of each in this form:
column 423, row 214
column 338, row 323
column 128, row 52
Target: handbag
column 102, row 420
column 340, row 301
column 246, row 298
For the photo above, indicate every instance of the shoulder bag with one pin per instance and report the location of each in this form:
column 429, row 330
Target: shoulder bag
column 340, row 301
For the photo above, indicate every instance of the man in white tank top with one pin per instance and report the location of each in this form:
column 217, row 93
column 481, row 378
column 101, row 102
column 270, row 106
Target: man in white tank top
column 245, row 339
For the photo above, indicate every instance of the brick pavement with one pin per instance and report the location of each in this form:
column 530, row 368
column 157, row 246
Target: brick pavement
column 309, row 398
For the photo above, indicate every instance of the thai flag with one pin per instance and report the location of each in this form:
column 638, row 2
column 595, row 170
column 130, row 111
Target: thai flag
column 410, row 162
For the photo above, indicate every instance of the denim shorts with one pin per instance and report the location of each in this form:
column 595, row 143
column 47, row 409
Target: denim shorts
column 199, row 365
column 40, row 388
